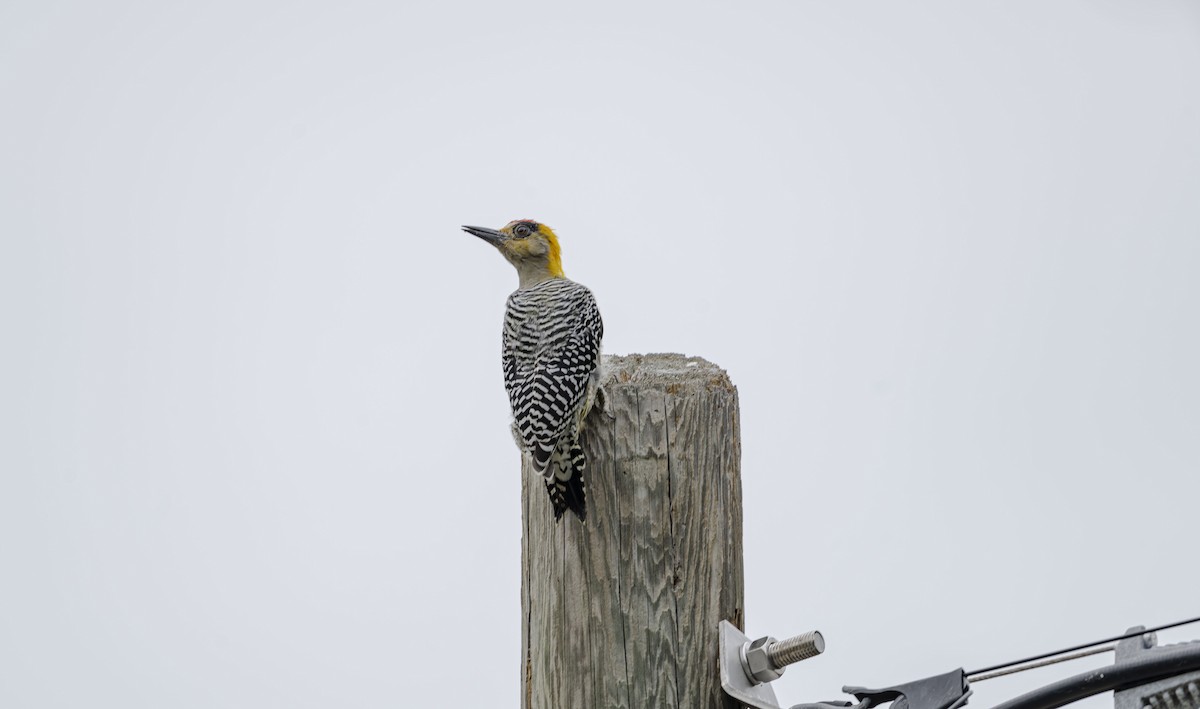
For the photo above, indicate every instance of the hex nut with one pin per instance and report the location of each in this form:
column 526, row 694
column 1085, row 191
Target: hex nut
column 757, row 664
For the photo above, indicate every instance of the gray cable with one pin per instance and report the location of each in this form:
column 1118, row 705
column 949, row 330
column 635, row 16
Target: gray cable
column 1043, row 663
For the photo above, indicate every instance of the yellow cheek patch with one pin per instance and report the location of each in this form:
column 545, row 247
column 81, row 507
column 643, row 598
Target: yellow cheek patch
column 554, row 260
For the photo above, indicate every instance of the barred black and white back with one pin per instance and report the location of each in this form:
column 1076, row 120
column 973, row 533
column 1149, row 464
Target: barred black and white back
column 552, row 334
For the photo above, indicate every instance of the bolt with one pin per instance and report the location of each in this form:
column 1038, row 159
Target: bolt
column 765, row 659
column 795, row 649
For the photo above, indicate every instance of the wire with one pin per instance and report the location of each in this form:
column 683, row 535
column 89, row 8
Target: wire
column 1083, row 646
column 1043, row 663
column 1137, row 671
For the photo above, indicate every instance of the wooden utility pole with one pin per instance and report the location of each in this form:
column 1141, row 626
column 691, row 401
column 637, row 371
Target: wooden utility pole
column 622, row 611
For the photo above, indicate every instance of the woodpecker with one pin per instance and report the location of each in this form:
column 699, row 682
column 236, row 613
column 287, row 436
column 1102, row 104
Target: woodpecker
column 551, row 358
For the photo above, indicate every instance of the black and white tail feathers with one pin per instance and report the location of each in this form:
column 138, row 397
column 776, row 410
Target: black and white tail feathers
column 564, row 483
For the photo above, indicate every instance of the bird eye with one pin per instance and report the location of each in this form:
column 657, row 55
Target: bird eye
column 522, row 230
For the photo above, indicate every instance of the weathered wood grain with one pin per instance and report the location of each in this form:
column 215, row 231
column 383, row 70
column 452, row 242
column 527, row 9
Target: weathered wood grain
column 622, row 612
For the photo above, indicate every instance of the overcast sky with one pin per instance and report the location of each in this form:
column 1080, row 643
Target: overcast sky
column 254, row 444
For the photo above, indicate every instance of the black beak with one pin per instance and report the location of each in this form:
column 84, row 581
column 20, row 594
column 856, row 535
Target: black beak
column 491, row 236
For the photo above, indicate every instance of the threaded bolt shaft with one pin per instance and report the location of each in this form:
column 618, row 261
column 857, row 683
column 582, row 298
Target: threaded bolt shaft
column 801, row 647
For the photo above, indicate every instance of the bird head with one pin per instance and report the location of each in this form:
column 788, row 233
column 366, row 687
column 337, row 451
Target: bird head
column 529, row 246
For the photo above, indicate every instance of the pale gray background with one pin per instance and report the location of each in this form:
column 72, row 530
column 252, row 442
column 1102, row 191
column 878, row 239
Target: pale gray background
column 254, row 439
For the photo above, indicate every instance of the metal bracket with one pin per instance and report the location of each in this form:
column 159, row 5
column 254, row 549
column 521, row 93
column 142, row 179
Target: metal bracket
column 748, row 666
column 1181, row 691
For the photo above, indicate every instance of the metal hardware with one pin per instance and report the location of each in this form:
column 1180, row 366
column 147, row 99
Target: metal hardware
column 748, row 666
column 945, row 691
column 1180, row 691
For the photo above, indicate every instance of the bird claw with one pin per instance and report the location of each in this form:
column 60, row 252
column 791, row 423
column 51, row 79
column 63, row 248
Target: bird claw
column 601, row 402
